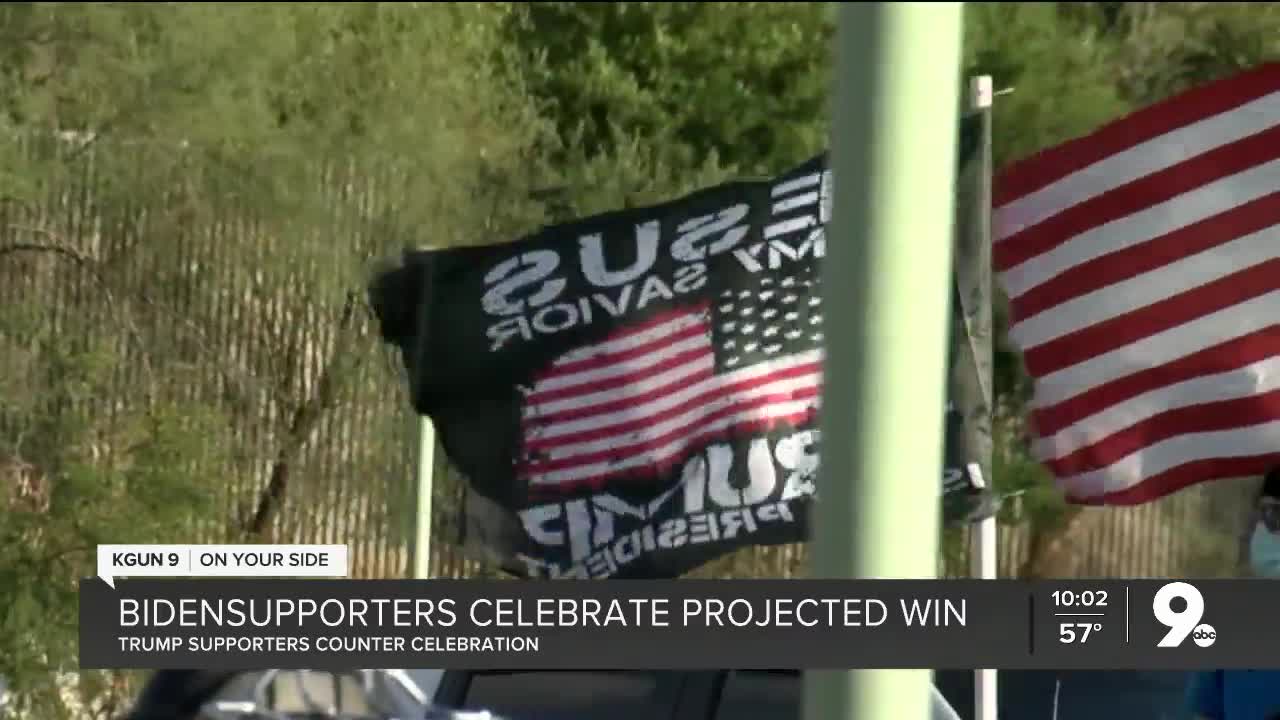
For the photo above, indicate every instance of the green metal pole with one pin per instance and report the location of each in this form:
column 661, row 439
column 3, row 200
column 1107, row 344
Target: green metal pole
column 887, row 288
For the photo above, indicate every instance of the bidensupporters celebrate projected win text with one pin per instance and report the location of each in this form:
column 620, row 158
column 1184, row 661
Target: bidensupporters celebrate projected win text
column 362, row 619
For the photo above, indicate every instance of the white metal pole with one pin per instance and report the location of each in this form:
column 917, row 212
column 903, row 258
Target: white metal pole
column 985, row 686
column 426, row 439
column 985, row 537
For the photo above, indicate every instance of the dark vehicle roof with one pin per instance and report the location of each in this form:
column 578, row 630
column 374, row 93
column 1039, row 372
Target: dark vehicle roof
column 627, row 695
column 776, row 695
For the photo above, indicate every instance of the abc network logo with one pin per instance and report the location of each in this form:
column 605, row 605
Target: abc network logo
column 1184, row 623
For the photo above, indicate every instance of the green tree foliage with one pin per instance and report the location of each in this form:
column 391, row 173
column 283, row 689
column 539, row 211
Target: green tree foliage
column 72, row 479
column 745, row 83
column 193, row 197
column 668, row 96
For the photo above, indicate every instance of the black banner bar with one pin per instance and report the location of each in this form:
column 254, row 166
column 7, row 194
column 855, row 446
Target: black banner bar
column 226, row 624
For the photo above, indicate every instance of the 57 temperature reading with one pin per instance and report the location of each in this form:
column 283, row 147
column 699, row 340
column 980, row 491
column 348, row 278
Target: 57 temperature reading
column 1074, row 632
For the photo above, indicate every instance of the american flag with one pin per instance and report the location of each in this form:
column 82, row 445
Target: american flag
column 1143, row 267
column 650, row 395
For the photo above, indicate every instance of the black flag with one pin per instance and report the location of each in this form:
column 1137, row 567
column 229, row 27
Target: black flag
column 636, row 393
column 970, row 391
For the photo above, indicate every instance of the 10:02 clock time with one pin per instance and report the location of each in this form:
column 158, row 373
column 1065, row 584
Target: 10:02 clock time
column 1082, row 599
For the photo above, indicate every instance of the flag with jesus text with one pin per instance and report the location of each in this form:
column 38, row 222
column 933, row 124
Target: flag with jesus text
column 1142, row 264
column 636, row 393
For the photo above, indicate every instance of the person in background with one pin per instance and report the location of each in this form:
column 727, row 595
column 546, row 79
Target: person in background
column 1247, row 694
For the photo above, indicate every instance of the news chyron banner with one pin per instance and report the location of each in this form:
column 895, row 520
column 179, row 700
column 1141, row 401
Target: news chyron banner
column 223, row 623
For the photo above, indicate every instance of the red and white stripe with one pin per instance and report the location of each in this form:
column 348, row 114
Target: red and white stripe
column 640, row 400
column 1142, row 263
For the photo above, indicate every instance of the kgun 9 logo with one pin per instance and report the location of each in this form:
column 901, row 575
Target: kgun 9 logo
column 1184, row 622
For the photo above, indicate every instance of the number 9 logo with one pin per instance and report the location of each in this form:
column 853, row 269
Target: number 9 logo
column 1179, row 622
